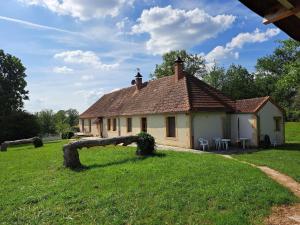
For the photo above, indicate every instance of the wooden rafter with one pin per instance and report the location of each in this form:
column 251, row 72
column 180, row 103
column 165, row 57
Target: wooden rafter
column 282, row 13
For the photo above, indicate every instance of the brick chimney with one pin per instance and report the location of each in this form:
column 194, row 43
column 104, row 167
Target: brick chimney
column 138, row 81
column 178, row 69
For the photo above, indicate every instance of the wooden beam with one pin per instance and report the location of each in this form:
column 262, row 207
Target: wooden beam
column 280, row 14
column 286, row 4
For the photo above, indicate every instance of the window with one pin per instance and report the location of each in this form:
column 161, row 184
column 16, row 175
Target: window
column 144, row 124
column 277, row 123
column 114, row 124
column 171, row 126
column 90, row 125
column 129, row 125
column 82, row 125
column 108, row 124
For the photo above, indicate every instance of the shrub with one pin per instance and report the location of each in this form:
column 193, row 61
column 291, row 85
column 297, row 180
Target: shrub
column 38, row 142
column 67, row 135
column 145, row 144
column 75, row 129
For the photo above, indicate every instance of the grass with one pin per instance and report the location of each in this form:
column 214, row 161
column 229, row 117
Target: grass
column 120, row 188
column 285, row 159
column 292, row 132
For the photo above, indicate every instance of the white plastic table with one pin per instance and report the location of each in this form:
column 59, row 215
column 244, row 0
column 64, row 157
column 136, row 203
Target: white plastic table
column 244, row 140
column 225, row 142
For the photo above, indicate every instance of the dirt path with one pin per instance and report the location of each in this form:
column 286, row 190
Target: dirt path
column 285, row 214
column 282, row 179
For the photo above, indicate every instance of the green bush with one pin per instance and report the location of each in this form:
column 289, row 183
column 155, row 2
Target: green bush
column 75, row 129
column 38, row 142
column 67, row 135
column 145, row 144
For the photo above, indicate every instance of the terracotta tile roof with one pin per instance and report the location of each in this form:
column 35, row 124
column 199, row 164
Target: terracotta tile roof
column 204, row 97
column 161, row 96
column 251, row 105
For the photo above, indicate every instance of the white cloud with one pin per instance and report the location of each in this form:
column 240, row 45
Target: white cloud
column 89, row 96
column 62, row 69
column 84, row 58
column 121, row 24
column 83, row 10
column 78, row 84
column 230, row 49
column 172, row 29
column 87, row 77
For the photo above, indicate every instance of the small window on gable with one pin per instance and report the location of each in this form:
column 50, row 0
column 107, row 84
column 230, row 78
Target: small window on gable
column 108, row 124
column 129, row 125
column 114, row 124
column 277, row 121
column 171, row 126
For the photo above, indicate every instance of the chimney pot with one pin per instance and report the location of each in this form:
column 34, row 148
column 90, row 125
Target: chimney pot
column 178, row 69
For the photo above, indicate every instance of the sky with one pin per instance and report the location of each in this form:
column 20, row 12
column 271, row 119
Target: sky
column 75, row 51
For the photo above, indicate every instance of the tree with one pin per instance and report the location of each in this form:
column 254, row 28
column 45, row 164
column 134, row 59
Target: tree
column 193, row 64
column 238, row 83
column 73, row 117
column 278, row 74
column 216, row 76
column 61, row 122
column 46, row 121
column 12, row 84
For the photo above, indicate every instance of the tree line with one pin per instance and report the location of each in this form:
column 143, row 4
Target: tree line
column 276, row 75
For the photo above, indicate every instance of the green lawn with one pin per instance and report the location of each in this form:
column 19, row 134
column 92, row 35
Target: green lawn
column 119, row 188
column 292, row 132
column 285, row 159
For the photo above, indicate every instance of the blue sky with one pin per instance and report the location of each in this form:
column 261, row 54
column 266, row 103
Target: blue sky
column 75, row 50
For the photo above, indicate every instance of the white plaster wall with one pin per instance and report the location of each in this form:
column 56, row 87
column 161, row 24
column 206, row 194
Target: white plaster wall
column 267, row 123
column 247, row 128
column 95, row 127
column 156, row 126
column 208, row 126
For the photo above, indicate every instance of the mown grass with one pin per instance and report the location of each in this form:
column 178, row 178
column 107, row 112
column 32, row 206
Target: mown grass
column 120, row 188
column 292, row 132
column 285, row 159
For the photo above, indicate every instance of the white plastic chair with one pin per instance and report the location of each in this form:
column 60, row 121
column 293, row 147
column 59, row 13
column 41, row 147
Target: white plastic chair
column 203, row 142
column 217, row 141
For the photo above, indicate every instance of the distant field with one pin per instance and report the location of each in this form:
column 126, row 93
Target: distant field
column 292, row 132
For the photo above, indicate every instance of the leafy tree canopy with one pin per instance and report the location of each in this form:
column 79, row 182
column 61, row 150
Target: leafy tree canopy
column 12, row 84
column 193, row 64
column 46, row 121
